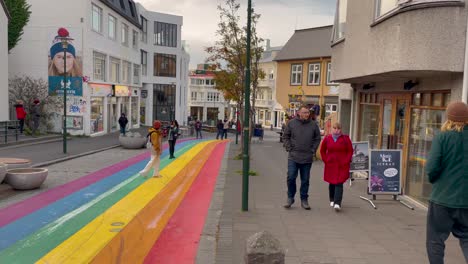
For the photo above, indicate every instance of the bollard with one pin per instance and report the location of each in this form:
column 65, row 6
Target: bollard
column 264, row 248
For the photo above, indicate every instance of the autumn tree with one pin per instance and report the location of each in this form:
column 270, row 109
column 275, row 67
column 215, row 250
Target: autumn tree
column 230, row 55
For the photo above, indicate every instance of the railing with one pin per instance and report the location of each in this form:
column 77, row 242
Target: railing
column 9, row 129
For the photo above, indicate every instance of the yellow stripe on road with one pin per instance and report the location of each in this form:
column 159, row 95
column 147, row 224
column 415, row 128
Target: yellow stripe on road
column 84, row 245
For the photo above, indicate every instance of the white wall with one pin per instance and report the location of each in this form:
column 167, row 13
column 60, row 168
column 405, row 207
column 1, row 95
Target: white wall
column 4, row 112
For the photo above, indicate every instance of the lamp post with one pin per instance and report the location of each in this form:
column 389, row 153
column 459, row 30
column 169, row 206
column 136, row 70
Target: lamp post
column 246, row 130
column 63, row 36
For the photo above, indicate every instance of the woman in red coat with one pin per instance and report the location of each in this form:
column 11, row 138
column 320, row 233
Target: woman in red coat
column 336, row 152
column 20, row 114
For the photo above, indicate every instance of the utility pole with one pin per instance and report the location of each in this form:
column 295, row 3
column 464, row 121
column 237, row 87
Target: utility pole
column 246, row 130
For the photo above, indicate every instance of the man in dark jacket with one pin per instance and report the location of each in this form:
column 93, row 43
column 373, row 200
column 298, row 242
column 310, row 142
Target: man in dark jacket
column 301, row 139
column 123, row 121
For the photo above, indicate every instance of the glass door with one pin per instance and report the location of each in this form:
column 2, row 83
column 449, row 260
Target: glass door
column 394, row 121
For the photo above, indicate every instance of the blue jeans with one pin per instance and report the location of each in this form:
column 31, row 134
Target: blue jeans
column 220, row 134
column 304, row 170
column 122, row 130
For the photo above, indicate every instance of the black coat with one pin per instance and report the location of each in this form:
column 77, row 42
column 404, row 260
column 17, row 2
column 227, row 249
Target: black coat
column 123, row 121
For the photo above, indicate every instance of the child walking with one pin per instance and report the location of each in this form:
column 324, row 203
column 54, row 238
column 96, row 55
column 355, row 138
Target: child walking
column 155, row 138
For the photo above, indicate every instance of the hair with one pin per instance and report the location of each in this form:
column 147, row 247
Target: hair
column 450, row 125
column 175, row 123
column 337, row 124
column 75, row 72
column 304, row 106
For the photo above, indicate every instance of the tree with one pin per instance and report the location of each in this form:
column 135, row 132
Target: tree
column 230, row 50
column 19, row 12
column 27, row 89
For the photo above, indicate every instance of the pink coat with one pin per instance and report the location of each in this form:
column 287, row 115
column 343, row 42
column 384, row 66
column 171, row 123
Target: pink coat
column 337, row 157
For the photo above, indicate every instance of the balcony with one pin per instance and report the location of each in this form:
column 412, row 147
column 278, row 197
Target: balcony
column 264, row 103
column 266, row 83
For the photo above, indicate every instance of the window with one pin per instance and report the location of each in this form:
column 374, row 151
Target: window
column 126, row 69
column 296, row 74
column 136, row 74
column 165, row 65
column 329, row 82
column 99, row 66
column 96, row 18
column 194, row 96
column 135, row 39
column 212, row 97
column 271, row 75
column 164, row 102
column 165, row 34
column 314, row 74
column 112, row 27
column 144, row 30
column 144, row 63
column 114, row 70
column 340, row 20
column 124, row 34
column 385, row 6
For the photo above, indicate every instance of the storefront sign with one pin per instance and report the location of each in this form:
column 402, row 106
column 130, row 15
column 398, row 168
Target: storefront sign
column 103, row 90
column 360, row 160
column 385, row 172
column 121, row 90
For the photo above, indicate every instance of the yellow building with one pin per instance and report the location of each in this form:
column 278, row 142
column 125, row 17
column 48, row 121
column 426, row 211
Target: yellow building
column 303, row 72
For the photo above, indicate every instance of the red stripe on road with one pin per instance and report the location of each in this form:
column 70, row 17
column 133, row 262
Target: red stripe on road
column 178, row 243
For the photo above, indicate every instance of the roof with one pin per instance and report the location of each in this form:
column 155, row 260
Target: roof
column 270, row 54
column 306, row 44
column 125, row 8
column 5, row 9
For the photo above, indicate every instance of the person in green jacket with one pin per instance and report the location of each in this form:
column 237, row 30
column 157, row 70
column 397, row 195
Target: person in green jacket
column 447, row 169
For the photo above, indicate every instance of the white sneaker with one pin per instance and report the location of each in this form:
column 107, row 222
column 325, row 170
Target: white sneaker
column 337, row 207
column 332, row 204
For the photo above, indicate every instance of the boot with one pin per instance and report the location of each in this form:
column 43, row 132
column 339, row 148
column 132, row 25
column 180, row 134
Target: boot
column 289, row 202
column 305, row 204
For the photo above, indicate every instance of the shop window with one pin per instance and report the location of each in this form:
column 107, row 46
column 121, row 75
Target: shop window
column 370, row 118
column 417, row 99
column 97, row 111
column 134, row 110
column 437, row 99
column 426, row 99
column 446, row 99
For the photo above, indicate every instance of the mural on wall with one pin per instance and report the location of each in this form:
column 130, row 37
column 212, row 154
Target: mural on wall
column 57, row 68
column 76, row 105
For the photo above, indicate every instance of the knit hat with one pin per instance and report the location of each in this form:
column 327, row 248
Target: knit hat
column 57, row 47
column 457, row 112
column 36, row 101
column 157, row 124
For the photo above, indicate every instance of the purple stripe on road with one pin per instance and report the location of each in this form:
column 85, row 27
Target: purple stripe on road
column 25, row 207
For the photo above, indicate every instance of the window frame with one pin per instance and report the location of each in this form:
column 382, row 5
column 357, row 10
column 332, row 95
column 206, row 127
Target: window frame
column 296, row 72
column 135, row 39
column 117, row 61
column 163, row 66
column 136, row 78
column 126, row 72
column 311, row 82
column 103, row 65
column 165, row 34
column 144, row 63
column 329, row 82
column 144, row 29
column 124, row 35
column 114, row 31
column 339, row 33
column 95, row 7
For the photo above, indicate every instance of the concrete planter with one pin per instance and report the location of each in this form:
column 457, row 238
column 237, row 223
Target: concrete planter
column 132, row 141
column 26, row 178
column 15, row 163
column 3, row 171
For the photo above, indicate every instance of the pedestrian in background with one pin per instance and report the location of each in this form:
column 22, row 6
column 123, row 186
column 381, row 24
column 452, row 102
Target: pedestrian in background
column 35, row 116
column 447, row 169
column 336, row 152
column 155, row 139
column 172, row 137
column 301, row 139
column 123, row 121
column 20, row 114
column 220, row 127
column 198, row 128
column 225, row 129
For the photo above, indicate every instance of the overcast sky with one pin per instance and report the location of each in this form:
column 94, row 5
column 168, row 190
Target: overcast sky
column 279, row 19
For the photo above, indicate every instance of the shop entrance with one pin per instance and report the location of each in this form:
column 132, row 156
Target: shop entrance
column 112, row 114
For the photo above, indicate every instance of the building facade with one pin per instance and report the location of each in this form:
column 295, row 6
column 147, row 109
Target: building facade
column 164, row 63
column 4, row 19
column 268, row 111
column 206, row 103
column 304, row 73
column 407, row 65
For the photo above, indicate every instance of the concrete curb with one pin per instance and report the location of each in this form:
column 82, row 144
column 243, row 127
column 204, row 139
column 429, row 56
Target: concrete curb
column 42, row 164
column 31, row 142
column 206, row 253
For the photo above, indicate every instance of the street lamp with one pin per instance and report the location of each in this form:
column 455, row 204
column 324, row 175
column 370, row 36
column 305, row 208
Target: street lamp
column 64, row 37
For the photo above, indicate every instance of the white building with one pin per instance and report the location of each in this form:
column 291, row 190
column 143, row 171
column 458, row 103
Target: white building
column 4, row 18
column 206, row 103
column 268, row 111
column 164, row 64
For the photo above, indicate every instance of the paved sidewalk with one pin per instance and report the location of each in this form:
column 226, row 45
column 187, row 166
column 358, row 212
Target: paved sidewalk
column 358, row 234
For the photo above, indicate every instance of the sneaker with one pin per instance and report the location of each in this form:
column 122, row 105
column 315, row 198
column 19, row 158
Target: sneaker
column 157, row 176
column 289, row 202
column 337, row 207
column 332, row 204
column 305, row 204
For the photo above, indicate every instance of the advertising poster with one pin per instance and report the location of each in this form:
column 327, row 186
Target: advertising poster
column 73, row 83
column 360, row 160
column 385, row 171
column 74, row 122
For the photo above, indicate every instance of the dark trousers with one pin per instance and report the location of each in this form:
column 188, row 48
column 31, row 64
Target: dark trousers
column 171, row 147
column 21, row 124
column 122, row 130
column 224, row 134
column 335, row 192
column 199, row 133
column 220, row 134
column 304, row 171
column 441, row 221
